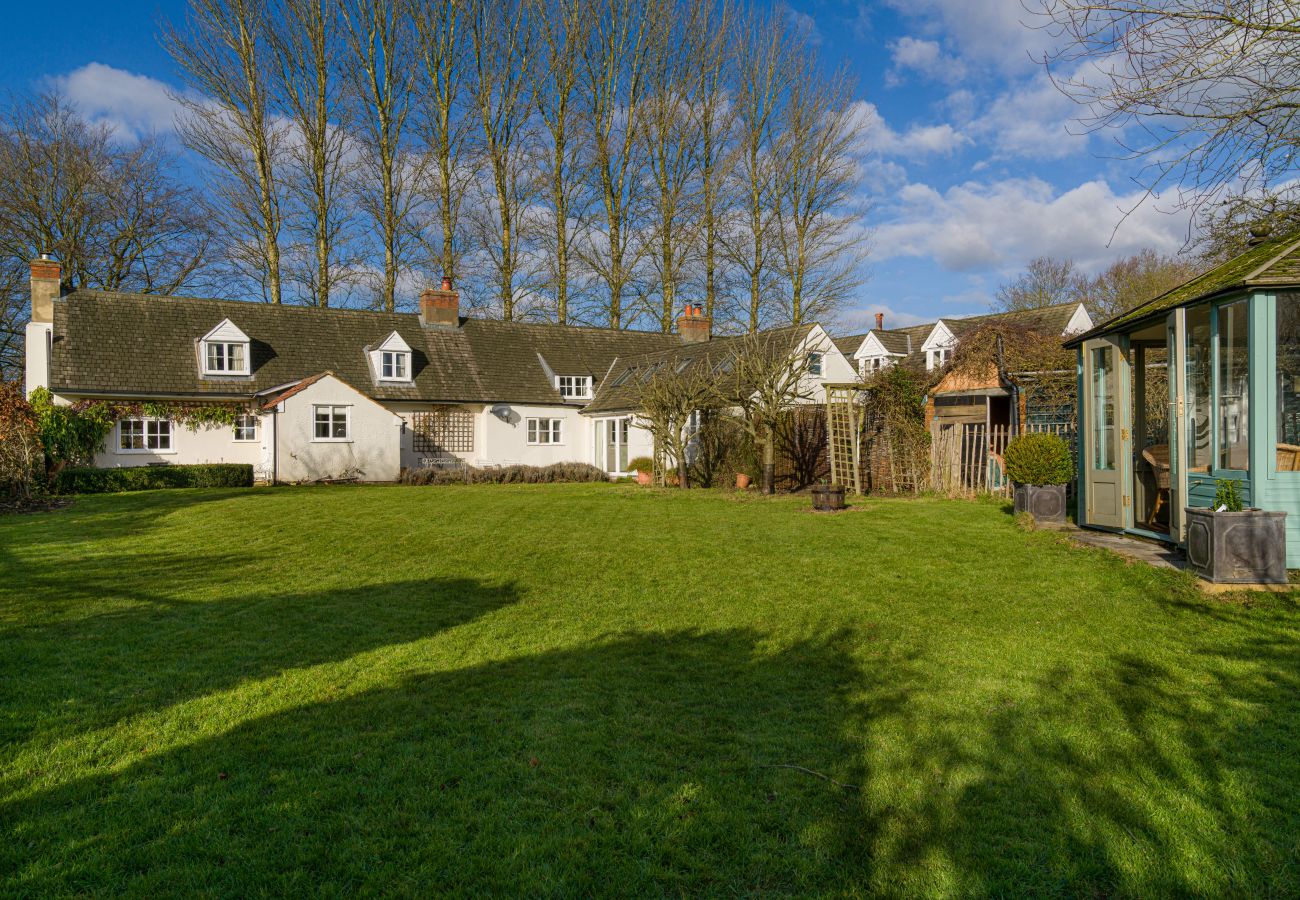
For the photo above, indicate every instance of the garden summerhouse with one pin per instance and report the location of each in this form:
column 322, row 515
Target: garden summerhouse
column 1200, row 384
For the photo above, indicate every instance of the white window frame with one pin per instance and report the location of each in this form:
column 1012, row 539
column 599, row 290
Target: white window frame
column 333, row 409
column 147, row 424
column 225, row 348
column 239, row 418
column 936, row 358
column 574, row 387
column 399, row 361
column 816, row 363
column 553, row 432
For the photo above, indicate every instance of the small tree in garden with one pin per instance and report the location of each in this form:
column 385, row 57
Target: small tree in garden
column 21, row 458
column 668, row 401
column 765, row 376
column 70, row 435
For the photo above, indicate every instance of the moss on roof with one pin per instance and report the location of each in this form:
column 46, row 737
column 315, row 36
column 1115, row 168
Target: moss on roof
column 1270, row 263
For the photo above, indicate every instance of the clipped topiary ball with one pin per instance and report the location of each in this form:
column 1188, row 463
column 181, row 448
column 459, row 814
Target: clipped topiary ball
column 1039, row 459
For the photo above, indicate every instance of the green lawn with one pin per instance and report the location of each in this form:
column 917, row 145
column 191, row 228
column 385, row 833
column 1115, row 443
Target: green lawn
column 604, row 690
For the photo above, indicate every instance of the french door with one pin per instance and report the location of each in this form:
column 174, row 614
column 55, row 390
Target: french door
column 1177, row 355
column 1106, row 459
column 611, row 444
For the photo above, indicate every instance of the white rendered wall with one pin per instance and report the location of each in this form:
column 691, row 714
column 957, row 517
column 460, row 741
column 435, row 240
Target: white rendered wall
column 37, row 365
column 371, row 453
column 216, row 444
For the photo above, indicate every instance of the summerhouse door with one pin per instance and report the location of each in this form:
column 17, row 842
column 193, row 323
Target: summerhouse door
column 1177, row 356
column 1106, row 447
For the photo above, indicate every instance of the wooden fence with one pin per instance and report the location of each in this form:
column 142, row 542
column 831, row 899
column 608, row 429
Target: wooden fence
column 968, row 459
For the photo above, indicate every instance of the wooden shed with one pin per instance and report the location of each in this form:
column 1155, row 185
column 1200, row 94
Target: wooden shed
column 1202, row 383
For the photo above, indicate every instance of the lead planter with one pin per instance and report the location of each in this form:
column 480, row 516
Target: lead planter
column 1247, row 547
column 828, row 497
column 1045, row 502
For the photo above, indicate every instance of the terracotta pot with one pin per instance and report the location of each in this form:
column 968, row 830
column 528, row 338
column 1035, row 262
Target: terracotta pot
column 643, row 477
column 742, row 481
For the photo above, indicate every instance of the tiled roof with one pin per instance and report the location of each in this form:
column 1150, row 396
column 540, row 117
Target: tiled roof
column 620, row 390
column 903, row 341
column 1271, row 263
column 139, row 344
column 849, row 344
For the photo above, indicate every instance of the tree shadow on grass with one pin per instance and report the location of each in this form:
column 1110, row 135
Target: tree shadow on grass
column 644, row 763
column 158, row 650
column 662, row 763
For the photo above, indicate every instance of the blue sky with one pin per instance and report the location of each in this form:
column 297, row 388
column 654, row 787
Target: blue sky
column 972, row 166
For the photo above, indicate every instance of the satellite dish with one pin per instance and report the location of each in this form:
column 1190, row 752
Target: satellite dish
column 502, row 412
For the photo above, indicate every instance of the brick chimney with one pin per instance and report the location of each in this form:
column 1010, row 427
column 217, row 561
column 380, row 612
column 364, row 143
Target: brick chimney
column 880, row 321
column 440, row 308
column 693, row 325
column 46, row 287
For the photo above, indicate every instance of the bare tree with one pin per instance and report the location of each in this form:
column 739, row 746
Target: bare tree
column 672, row 148
column 1133, row 280
column 1045, row 282
column 821, row 241
column 765, row 377
column 713, row 118
column 304, row 37
column 669, row 404
column 113, row 213
column 378, row 65
column 614, row 61
column 761, row 77
column 222, row 55
column 563, row 28
column 444, row 123
column 1204, row 92
column 502, row 60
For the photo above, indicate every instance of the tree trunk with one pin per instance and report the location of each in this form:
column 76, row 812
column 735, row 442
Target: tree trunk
column 769, row 465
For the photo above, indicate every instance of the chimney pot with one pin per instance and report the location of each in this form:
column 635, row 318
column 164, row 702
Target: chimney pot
column 880, row 321
column 47, row 285
column 440, row 308
column 693, row 326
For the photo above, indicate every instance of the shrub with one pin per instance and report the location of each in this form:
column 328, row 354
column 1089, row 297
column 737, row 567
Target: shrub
column 641, row 464
column 146, row 478
column 1039, row 459
column 71, row 436
column 1226, row 495
column 553, row 474
column 21, row 459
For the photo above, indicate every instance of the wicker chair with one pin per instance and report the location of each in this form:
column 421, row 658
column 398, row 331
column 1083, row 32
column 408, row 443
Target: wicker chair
column 1158, row 456
column 1288, row 458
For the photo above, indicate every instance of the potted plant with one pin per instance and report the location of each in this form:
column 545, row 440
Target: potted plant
column 1039, row 466
column 1235, row 544
column 828, row 497
column 746, row 463
column 644, row 467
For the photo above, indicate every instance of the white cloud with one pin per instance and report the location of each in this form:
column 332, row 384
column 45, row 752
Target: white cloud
column 927, row 58
column 804, row 25
column 990, row 227
column 134, row 105
column 852, row 321
column 1031, row 118
column 994, row 32
column 917, row 140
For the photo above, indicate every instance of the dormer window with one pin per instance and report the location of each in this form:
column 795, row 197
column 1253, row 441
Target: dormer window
column 574, row 387
column 224, row 350
column 390, row 360
column 394, row 365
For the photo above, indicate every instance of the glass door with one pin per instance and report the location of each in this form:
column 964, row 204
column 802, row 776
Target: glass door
column 612, row 437
column 1106, row 446
column 1177, row 362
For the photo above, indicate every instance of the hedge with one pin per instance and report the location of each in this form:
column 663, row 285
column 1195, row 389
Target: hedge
column 1039, row 458
column 555, row 473
column 87, row 480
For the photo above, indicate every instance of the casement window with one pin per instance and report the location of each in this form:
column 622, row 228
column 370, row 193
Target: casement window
column 544, row 431
column 332, row 423
column 225, row 358
column 814, row 364
column 224, row 351
column 574, row 387
column 394, row 365
column 144, row 436
column 245, row 427
column 935, row 359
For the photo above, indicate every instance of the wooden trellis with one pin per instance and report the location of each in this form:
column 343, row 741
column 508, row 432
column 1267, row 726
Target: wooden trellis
column 842, row 435
column 449, row 430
